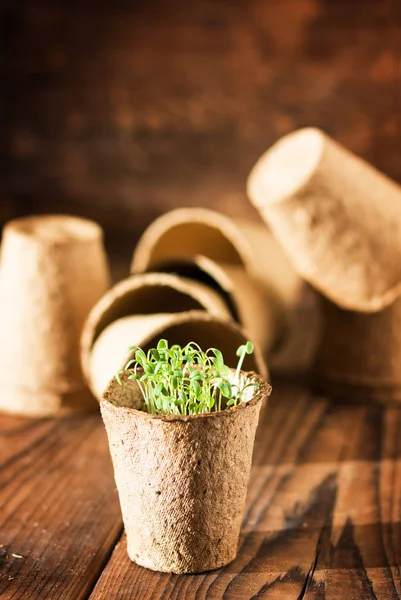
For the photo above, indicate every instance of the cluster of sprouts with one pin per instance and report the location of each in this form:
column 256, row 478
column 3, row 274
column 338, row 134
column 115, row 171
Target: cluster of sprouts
column 187, row 380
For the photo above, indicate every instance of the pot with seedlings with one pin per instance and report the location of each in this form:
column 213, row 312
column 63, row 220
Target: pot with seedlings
column 181, row 427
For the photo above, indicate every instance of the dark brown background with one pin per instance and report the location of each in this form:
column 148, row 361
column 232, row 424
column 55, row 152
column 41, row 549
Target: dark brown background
column 120, row 110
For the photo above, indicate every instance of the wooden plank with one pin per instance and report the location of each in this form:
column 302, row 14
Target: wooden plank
column 322, row 517
column 18, row 435
column 364, row 554
column 59, row 513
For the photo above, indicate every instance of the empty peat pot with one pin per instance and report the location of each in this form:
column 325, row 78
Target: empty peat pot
column 182, row 480
column 53, row 270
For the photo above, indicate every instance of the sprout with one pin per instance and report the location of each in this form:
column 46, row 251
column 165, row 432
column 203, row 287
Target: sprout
column 186, row 381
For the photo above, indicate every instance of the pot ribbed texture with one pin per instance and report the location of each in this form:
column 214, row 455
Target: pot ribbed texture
column 182, row 481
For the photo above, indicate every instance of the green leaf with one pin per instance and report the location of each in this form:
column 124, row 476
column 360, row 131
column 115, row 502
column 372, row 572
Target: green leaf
column 158, row 389
column 225, row 370
column 196, row 375
column 219, row 361
column 240, row 350
column 129, row 363
column 210, row 402
column 154, row 354
column 131, row 348
column 162, row 344
column 197, row 388
column 249, row 347
column 225, row 388
column 140, row 357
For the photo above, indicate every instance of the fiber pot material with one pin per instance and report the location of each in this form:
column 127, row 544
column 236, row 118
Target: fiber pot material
column 186, row 233
column 182, row 480
column 336, row 216
column 108, row 353
column 53, row 270
column 360, row 354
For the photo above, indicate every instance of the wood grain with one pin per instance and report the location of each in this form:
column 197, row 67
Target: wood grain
column 163, row 104
column 59, row 512
column 322, row 517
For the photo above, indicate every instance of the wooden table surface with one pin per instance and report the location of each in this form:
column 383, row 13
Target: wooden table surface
column 322, row 518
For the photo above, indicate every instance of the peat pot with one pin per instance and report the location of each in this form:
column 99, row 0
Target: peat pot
column 182, row 480
column 53, row 269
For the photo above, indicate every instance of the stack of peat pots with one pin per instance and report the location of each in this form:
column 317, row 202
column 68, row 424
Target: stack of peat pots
column 339, row 220
column 196, row 276
column 140, row 310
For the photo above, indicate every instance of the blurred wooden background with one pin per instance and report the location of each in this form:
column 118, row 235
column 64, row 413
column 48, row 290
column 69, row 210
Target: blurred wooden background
column 121, row 110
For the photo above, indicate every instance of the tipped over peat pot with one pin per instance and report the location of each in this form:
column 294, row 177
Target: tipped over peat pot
column 336, row 216
column 182, row 480
column 339, row 220
column 188, row 233
column 53, row 270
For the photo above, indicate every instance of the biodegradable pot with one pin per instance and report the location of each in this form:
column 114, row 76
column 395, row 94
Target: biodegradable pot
column 186, row 233
column 109, row 351
column 336, row 216
column 253, row 304
column 53, row 270
column 359, row 355
column 182, row 480
column 150, row 293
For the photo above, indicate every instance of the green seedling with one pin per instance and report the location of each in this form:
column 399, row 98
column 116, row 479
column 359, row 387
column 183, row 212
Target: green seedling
column 186, row 380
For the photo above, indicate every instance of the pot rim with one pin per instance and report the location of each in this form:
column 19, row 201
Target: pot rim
column 142, row 257
column 264, row 391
